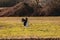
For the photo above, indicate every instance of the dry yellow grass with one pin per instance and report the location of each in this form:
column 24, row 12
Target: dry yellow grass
column 12, row 27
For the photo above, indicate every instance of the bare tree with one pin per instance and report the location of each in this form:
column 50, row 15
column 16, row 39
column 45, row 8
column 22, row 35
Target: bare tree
column 50, row 7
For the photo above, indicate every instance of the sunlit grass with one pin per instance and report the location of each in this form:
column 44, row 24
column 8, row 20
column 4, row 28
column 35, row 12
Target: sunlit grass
column 11, row 27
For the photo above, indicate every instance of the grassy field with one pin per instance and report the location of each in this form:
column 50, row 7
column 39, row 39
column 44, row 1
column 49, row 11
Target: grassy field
column 12, row 27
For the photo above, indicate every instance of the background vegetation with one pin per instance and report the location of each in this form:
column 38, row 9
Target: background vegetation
column 34, row 7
